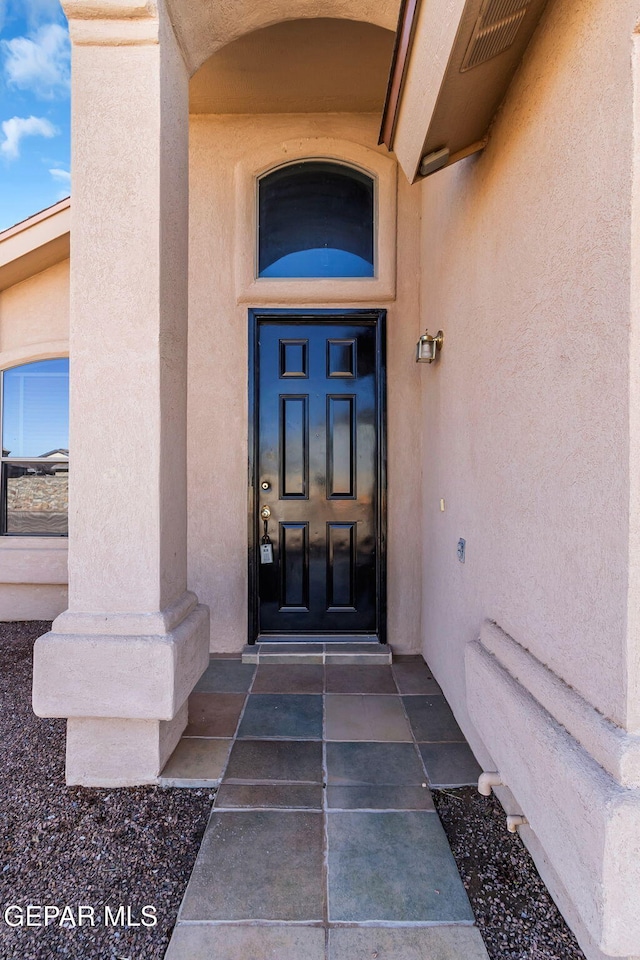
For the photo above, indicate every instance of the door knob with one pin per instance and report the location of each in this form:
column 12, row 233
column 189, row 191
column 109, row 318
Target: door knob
column 265, row 512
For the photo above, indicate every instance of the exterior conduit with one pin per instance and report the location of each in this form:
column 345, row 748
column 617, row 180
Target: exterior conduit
column 488, row 780
column 515, row 821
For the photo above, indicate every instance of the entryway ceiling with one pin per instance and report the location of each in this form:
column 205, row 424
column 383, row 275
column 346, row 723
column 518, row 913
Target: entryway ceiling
column 203, row 26
column 297, row 66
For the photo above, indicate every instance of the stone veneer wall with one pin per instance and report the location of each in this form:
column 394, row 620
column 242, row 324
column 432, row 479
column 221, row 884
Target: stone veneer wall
column 37, row 504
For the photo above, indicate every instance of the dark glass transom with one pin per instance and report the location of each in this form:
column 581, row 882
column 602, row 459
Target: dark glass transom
column 315, row 220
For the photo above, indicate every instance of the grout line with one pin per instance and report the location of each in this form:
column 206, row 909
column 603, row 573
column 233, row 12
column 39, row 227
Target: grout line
column 325, row 815
column 238, row 782
column 400, row 924
column 253, row 678
column 333, row 924
column 235, row 735
column 395, row 680
column 255, row 922
column 380, row 809
column 258, row 809
column 415, row 745
column 204, row 736
column 320, row 809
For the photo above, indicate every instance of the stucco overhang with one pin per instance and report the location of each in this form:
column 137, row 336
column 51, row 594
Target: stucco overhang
column 35, row 244
column 203, row 27
column 452, row 65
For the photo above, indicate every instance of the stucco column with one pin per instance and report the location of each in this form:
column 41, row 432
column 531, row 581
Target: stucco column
column 121, row 661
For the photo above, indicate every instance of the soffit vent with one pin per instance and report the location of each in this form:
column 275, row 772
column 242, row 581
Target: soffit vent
column 494, row 31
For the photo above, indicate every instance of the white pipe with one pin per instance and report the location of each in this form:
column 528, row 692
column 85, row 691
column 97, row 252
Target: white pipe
column 488, row 780
column 514, row 821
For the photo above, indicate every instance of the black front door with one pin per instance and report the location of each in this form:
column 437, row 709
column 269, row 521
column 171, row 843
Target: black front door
column 318, row 459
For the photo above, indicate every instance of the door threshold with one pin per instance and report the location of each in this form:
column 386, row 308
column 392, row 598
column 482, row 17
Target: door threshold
column 320, row 651
column 318, row 638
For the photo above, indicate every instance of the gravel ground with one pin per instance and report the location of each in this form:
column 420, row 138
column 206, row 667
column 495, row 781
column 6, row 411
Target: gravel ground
column 78, row 846
column 516, row 916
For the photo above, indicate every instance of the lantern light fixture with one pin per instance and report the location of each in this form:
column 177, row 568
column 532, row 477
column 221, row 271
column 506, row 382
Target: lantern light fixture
column 428, row 346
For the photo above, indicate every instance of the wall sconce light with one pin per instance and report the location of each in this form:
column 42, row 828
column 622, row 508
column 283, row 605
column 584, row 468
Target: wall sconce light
column 434, row 161
column 428, row 346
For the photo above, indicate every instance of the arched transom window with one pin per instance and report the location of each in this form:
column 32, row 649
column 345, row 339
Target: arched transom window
column 315, row 220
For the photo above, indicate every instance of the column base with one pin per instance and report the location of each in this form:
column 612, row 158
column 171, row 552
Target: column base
column 124, row 694
column 131, row 676
column 120, row 753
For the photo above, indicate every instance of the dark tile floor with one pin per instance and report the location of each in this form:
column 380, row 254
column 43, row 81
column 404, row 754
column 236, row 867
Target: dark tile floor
column 323, row 817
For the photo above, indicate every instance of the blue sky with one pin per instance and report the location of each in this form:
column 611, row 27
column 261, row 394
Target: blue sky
column 34, row 108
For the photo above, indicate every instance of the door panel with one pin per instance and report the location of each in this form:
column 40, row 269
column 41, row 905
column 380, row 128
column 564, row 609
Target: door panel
column 294, row 566
column 341, row 565
column 317, row 416
column 293, row 447
column 341, row 447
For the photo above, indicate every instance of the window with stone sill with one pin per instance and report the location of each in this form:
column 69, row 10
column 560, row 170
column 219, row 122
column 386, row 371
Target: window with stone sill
column 315, row 221
column 34, row 419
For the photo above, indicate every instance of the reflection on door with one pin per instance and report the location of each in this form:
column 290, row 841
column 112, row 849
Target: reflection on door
column 317, row 475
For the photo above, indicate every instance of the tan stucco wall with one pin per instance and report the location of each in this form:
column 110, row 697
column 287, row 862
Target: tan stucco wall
column 222, row 148
column 526, row 260
column 34, row 313
column 526, row 265
column 34, row 325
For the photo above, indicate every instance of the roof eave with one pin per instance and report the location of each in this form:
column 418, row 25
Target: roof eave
column 35, row 244
column 447, row 80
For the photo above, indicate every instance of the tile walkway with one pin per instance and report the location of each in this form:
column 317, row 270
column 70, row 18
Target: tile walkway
column 323, row 843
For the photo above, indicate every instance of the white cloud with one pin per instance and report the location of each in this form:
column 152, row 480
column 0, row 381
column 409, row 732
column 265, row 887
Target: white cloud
column 62, row 175
column 40, row 63
column 18, row 127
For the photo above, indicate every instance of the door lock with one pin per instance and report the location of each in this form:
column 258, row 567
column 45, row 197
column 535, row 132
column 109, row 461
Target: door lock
column 265, row 485
column 266, row 547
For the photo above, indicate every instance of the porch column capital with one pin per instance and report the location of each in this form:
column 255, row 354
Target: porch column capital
column 113, row 22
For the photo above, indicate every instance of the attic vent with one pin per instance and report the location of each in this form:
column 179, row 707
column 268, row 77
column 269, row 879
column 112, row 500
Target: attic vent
column 494, row 30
